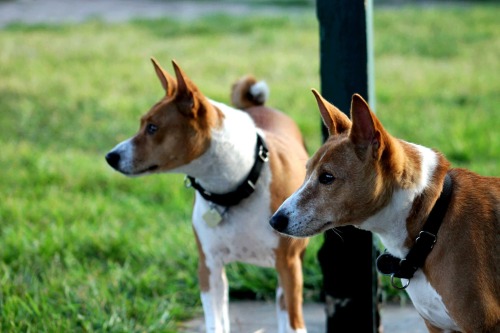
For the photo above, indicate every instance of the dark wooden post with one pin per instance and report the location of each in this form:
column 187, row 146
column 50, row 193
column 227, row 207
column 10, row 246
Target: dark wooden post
column 349, row 276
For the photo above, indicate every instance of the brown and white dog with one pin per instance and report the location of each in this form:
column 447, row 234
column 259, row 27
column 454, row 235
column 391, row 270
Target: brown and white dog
column 363, row 176
column 215, row 145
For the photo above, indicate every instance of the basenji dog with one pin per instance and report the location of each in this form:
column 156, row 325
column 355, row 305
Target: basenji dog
column 243, row 165
column 440, row 225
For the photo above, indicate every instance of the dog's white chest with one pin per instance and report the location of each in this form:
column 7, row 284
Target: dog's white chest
column 243, row 234
column 429, row 303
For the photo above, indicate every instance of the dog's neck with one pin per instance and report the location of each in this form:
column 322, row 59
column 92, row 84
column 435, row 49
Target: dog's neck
column 392, row 222
column 231, row 154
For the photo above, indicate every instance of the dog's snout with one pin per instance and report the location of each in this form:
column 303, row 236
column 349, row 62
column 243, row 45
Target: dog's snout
column 279, row 222
column 113, row 159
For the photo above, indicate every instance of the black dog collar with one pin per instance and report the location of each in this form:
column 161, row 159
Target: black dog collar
column 406, row 268
column 245, row 189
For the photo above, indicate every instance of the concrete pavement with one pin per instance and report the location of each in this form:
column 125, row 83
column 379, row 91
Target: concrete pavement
column 260, row 317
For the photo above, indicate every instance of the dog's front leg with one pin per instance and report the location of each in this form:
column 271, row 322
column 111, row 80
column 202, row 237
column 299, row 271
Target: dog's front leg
column 214, row 291
column 215, row 299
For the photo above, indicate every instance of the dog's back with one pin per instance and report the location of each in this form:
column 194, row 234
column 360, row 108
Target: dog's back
column 472, row 229
column 283, row 137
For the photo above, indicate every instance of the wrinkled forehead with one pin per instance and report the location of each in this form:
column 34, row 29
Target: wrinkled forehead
column 335, row 153
column 163, row 107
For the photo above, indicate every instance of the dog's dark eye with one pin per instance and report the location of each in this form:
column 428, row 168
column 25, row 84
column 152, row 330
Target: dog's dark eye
column 151, row 129
column 326, row 178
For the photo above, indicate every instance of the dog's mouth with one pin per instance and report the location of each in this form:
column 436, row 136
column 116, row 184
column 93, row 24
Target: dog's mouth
column 312, row 231
column 308, row 231
column 328, row 225
column 143, row 171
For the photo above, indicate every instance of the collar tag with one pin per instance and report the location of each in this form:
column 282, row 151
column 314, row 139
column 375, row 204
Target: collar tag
column 212, row 217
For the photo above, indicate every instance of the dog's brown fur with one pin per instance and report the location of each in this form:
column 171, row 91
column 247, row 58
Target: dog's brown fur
column 369, row 166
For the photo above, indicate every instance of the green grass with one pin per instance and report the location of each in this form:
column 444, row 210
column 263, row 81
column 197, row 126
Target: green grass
column 436, row 82
column 83, row 248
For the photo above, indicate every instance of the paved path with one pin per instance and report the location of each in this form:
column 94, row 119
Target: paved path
column 73, row 11
column 259, row 317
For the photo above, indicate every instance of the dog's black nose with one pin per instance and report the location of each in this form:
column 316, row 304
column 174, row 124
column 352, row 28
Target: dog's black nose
column 279, row 222
column 113, row 159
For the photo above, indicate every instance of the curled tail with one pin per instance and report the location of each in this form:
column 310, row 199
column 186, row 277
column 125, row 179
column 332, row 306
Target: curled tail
column 247, row 92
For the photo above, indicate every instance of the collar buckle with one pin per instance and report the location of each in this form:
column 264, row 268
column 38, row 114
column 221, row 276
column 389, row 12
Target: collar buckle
column 263, row 154
column 427, row 239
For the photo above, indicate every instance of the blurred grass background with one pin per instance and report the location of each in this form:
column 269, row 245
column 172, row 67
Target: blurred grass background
column 83, row 248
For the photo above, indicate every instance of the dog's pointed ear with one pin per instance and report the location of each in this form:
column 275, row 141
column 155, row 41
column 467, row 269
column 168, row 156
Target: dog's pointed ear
column 167, row 80
column 366, row 131
column 186, row 91
column 335, row 120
